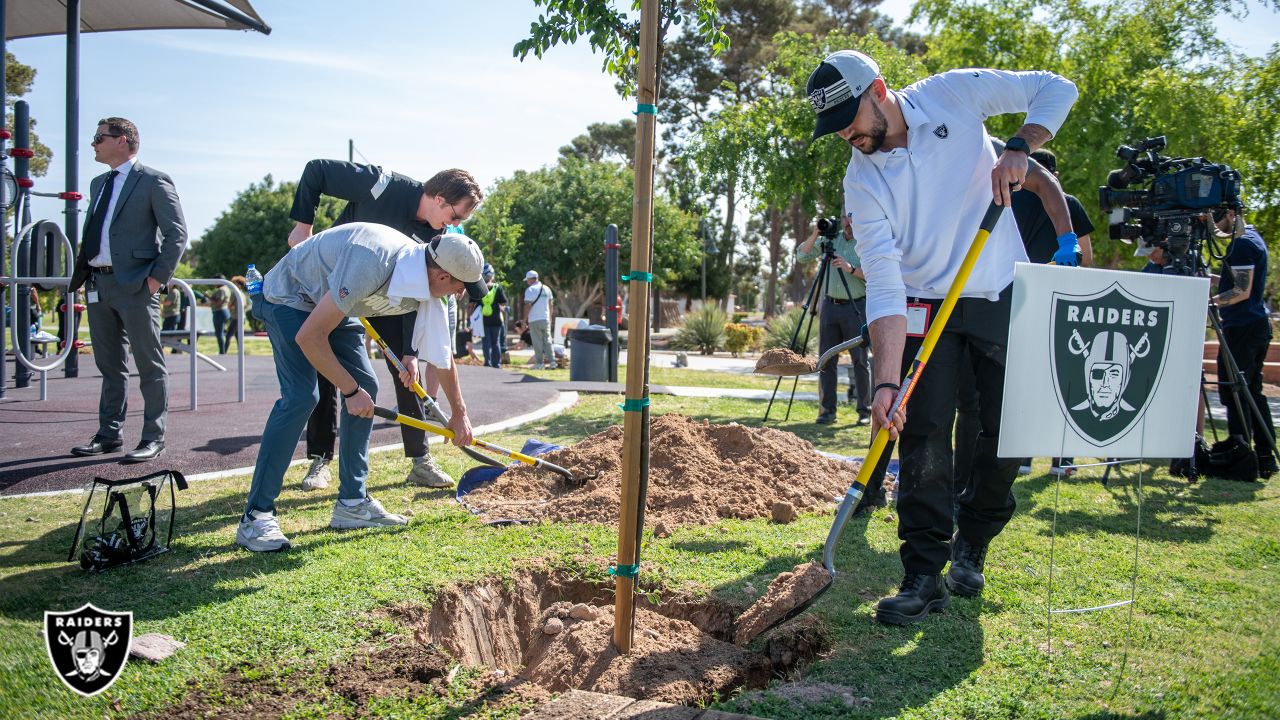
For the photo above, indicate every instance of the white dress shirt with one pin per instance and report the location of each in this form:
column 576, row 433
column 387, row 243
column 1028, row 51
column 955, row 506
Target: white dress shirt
column 103, row 257
column 916, row 209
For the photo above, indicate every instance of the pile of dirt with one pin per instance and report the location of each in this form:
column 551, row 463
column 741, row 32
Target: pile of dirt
column 699, row 473
column 787, row 592
column 671, row 660
column 783, row 361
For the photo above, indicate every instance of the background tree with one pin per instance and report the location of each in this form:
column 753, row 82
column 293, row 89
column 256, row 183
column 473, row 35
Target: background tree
column 553, row 220
column 18, row 79
column 254, row 229
column 605, row 141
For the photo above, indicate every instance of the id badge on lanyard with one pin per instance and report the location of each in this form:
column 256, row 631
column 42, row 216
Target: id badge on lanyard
column 919, row 316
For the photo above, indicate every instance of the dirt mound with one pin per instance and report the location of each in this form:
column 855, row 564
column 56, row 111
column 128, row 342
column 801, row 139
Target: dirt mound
column 783, row 361
column 671, row 660
column 699, row 472
column 787, row 592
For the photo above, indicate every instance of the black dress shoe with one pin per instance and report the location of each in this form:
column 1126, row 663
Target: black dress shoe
column 869, row 502
column 965, row 577
column 918, row 596
column 826, row 418
column 145, row 451
column 96, row 447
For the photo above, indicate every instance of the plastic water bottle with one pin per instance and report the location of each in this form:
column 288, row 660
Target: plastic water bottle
column 253, row 280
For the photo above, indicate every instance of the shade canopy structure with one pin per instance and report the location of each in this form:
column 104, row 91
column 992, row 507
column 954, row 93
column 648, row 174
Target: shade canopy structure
column 34, row 18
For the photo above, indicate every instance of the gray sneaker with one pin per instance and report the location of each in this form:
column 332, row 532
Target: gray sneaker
column 367, row 514
column 261, row 535
column 426, row 473
column 318, row 475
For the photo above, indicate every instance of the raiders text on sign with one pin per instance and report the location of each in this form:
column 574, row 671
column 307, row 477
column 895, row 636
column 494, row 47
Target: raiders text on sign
column 1113, row 316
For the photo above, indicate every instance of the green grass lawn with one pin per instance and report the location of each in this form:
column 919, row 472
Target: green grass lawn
column 1202, row 641
column 662, row 375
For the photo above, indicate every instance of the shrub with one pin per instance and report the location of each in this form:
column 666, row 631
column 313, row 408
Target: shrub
column 740, row 337
column 702, row 331
column 740, row 316
column 781, row 327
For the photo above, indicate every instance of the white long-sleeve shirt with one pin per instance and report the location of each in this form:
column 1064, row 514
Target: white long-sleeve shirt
column 916, row 209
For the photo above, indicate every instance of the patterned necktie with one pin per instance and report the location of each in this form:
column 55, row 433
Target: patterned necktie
column 93, row 228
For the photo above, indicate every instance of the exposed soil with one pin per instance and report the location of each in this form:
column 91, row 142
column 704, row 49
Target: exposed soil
column 784, row 361
column 671, row 660
column 787, row 591
column 539, row 633
column 699, row 473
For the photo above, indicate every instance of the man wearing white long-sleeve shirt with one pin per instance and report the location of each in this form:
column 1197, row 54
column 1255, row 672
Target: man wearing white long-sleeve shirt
column 916, row 189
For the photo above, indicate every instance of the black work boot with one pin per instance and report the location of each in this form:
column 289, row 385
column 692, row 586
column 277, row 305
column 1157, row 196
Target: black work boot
column 964, row 577
column 918, row 596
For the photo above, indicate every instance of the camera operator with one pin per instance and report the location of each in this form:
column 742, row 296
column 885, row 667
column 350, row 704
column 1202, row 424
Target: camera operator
column 842, row 313
column 1246, row 326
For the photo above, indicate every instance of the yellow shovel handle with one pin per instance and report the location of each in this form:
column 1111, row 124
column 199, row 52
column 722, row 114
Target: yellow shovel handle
column 930, row 340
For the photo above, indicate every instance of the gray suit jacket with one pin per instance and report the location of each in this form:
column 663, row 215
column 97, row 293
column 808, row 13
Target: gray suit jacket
column 147, row 231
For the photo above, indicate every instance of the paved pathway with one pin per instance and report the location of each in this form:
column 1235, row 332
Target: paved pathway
column 221, row 434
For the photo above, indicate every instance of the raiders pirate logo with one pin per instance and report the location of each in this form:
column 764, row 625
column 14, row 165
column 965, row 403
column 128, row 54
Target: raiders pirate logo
column 818, row 98
column 941, row 131
column 88, row 647
column 1108, row 354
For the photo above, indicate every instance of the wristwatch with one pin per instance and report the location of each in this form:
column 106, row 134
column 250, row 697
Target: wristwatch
column 1017, row 144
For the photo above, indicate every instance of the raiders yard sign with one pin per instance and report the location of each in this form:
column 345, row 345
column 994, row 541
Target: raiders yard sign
column 88, row 647
column 1102, row 363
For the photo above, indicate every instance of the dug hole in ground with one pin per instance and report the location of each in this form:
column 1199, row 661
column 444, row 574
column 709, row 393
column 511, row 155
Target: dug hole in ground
column 556, row 631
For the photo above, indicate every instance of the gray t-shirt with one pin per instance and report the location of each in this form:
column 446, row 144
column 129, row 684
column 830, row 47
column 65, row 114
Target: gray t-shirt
column 353, row 261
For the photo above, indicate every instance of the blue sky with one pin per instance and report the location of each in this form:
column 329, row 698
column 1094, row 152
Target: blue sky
column 419, row 85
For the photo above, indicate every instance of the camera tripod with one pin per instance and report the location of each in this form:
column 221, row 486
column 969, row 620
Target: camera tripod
column 1243, row 402
column 817, row 290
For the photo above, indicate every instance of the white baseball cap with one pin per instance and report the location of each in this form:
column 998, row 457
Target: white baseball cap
column 531, row 275
column 836, row 88
column 460, row 256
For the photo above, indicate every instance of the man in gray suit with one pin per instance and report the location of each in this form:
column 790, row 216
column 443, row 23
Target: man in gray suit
column 132, row 242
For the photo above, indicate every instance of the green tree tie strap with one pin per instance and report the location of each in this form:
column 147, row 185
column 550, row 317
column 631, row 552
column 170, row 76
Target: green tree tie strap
column 627, row 571
column 634, row 404
column 637, row 276
column 646, row 108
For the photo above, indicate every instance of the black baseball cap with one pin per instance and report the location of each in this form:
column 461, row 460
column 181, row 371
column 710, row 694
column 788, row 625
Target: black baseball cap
column 835, row 89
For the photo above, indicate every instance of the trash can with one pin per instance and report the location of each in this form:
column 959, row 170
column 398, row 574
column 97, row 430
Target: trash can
column 589, row 354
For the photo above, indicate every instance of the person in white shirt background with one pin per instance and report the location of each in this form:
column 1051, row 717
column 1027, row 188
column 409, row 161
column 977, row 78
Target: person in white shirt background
column 537, row 315
column 922, row 176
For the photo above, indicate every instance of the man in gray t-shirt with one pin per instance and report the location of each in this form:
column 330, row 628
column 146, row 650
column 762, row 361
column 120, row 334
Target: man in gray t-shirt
column 309, row 303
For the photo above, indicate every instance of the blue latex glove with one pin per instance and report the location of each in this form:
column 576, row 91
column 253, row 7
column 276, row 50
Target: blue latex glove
column 1068, row 250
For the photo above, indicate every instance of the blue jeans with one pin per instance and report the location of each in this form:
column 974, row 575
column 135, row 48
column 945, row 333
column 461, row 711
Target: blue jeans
column 298, row 395
column 493, row 345
column 221, row 318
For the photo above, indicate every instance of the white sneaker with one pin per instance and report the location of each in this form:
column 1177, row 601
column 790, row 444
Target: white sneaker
column 1062, row 471
column 261, row 535
column 318, row 475
column 1024, row 469
column 536, row 366
column 369, row 513
column 426, row 473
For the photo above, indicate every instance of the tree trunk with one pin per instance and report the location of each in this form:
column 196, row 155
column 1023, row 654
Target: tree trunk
column 796, row 285
column 775, row 257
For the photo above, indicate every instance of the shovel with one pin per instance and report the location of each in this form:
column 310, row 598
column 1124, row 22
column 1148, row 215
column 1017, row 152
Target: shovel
column 539, row 463
column 785, row 587
column 433, row 409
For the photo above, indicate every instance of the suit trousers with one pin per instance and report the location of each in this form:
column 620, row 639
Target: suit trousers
column 977, row 335
column 322, row 427
column 128, row 314
column 838, row 322
column 298, row 396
